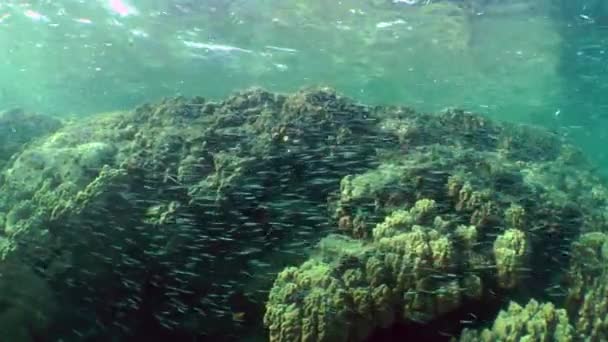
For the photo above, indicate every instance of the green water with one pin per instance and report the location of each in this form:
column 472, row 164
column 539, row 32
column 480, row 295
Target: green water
column 505, row 63
column 537, row 62
column 512, row 60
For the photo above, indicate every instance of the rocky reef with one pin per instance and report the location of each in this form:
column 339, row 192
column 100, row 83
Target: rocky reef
column 18, row 127
column 534, row 322
column 461, row 213
column 300, row 217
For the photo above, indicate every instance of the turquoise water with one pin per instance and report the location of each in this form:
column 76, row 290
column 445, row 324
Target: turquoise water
column 81, row 57
column 512, row 60
column 127, row 217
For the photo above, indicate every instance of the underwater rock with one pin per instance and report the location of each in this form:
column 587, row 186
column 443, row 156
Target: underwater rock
column 182, row 213
column 476, row 179
column 18, row 127
column 533, row 322
column 27, row 303
column 591, row 316
column 186, row 199
column 589, row 257
column 321, row 305
column 408, row 269
column 511, row 251
column 587, row 286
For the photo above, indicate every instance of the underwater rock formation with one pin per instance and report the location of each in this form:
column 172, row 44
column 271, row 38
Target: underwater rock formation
column 587, row 279
column 409, row 272
column 510, row 253
column 534, row 322
column 500, row 199
column 18, row 127
column 26, row 303
column 174, row 219
column 179, row 213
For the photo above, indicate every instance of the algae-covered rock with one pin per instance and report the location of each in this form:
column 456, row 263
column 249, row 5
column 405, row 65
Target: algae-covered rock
column 185, row 198
column 174, row 219
column 587, row 290
column 515, row 216
column 591, row 311
column 463, row 202
column 18, row 127
column 588, row 263
column 418, row 262
column 407, row 269
column 340, row 295
column 511, row 252
column 319, row 308
column 401, row 221
column 533, row 322
column 27, row 303
column 311, row 305
column 60, row 164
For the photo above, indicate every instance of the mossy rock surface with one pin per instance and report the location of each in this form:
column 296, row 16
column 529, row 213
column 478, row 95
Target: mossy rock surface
column 186, row 210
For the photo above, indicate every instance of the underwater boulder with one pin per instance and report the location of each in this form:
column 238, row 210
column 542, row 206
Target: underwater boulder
column 173, row 219
column 182, row 211
column 18, row 127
